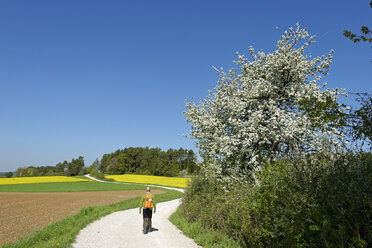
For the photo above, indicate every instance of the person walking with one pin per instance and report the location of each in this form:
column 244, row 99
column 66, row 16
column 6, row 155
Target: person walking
column 147, row 203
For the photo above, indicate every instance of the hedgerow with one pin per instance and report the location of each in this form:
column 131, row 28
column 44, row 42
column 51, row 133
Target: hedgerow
column 295, row 204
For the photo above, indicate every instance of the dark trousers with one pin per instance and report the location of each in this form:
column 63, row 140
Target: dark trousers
column 147, row 215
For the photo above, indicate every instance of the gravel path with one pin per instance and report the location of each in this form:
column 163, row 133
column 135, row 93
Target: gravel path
column 124, row 229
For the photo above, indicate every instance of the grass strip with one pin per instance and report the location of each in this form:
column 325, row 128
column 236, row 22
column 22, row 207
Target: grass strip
column 202, row 236
column 69, row 187
column 64, row 232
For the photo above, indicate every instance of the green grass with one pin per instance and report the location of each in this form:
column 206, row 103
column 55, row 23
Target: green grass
column 63, row 232
column 202, row 236
column 68, row 187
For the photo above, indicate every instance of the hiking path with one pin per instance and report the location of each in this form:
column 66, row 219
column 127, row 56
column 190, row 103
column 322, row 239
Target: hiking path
column 124, row 229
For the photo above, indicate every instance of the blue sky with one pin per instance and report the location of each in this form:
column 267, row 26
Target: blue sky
column 90, row 77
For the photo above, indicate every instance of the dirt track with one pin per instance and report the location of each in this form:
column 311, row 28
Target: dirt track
column 23, row 213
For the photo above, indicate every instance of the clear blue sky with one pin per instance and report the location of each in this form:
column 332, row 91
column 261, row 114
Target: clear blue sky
column 90, row 77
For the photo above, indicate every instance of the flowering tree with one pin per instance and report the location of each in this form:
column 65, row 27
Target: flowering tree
column 269, row 108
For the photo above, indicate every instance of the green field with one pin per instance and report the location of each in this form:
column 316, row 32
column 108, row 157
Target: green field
column 63, row 232
column 69, row 187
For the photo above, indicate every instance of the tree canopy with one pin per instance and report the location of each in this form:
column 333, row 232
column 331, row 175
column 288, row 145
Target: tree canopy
column 73, row 168
column 149, row 161
column 270, row 108
column 131, row 160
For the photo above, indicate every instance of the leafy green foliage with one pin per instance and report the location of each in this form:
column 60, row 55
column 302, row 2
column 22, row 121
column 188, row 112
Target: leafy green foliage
column 363, row 37
column 132, row 160
column 202, row 236
column 148, row 161
column 295, row 204
column 6, row 174
column 358, row 122
column 94, row 166
column 99, row 175
column 73, row 168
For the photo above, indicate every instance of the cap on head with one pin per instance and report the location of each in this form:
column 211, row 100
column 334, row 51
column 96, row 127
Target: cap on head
column 148, row 189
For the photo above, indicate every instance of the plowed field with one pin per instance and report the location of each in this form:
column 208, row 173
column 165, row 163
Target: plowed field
column 23, row 213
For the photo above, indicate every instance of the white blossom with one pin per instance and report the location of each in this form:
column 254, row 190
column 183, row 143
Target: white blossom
column 273, row 108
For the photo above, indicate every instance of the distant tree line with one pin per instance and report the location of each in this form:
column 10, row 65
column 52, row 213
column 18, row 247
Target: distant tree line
column 149, row 161
column 73, row 168
column 6, row 174
column 132, row 160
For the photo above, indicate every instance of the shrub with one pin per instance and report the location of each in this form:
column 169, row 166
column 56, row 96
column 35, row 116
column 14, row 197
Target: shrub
column 296, row 204
column 200, row 193
column 8, row 174
column 99, row 175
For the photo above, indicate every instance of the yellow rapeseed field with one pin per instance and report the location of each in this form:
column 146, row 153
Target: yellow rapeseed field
column 165, row 181
column 53, row 179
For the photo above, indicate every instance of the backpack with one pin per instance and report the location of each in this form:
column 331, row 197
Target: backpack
column 148, row 201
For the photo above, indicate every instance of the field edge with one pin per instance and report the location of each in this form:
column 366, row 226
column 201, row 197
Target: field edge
column 64, row 232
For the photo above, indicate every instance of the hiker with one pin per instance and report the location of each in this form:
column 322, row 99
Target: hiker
column 147, row 202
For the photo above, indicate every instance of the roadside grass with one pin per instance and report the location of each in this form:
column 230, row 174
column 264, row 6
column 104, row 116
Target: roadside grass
column 68, row 187
column 205, row 237
column 64, row 232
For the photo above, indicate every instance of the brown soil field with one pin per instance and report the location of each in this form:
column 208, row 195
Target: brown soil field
column 23, row 213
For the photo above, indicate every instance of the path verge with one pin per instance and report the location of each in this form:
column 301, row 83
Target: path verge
column 124, row 228
column 64, row 232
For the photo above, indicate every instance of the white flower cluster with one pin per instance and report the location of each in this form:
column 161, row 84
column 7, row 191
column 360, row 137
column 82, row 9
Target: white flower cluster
column 273, row 108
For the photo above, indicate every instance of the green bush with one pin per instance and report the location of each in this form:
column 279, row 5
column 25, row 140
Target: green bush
column 344, row 199
column 100, row 175
column 295, row 204
column 203, row 237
